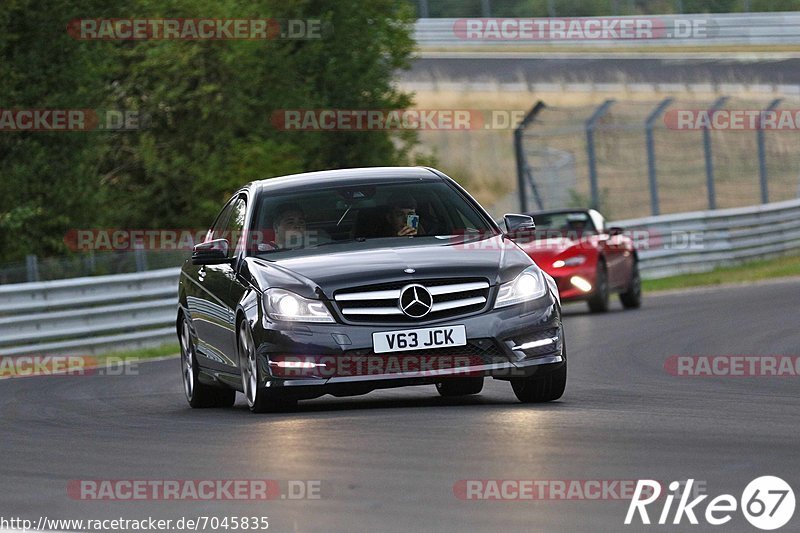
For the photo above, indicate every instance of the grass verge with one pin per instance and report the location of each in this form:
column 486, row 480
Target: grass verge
column 745, row 273
column 139, row 354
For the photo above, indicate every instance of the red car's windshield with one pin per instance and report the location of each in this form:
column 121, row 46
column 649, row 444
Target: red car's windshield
column 568, row 222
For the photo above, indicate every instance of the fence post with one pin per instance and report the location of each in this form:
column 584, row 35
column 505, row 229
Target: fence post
column 655, row 206
column 590, row 125
column 762, row 156
column 139, row 257
column 712, row 193
column 522, row 166
column 32, row 266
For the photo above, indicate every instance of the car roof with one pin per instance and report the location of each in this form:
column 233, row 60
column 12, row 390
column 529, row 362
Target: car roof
column 346, row 176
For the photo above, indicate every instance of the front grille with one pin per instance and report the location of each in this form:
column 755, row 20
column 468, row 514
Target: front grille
column 379, row 303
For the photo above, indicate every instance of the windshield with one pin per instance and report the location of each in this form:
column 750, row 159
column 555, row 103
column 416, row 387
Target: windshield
column 564, row 222
column 312, row 221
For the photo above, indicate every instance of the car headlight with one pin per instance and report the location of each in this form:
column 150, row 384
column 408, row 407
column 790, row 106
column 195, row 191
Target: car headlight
column 572, row 261
column 281, row 304
column 529, row 285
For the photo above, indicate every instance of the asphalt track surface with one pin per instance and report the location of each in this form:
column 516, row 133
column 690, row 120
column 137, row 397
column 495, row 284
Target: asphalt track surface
column 388, row 461
column 573, row 68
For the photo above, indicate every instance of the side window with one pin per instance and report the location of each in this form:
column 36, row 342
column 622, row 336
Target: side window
column 235, row 224
column 230, row 221
column 218, row 228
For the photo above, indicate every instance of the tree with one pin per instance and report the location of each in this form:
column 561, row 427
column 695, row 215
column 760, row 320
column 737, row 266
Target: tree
column 204, row 108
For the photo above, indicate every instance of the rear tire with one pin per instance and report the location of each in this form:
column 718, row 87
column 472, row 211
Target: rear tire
column 538, row 389
column 199, row 395
column 598, row 303
column 460, row 386
column 632, row 298
column 259, row 400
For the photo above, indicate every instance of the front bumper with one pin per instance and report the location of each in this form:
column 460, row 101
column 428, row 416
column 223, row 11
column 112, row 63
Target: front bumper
column 507, row 343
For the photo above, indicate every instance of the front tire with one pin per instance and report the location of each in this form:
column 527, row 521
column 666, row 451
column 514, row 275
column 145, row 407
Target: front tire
column 632, row 298
column 199, row 395
column 598, row 303
column 460, row 386
column 258, row 399
column 539, row 389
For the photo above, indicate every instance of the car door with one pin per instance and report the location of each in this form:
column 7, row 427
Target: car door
column 209, row 297
column 230, row 289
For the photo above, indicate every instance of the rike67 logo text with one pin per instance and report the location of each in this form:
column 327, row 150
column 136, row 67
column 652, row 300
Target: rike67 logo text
column 767, row 503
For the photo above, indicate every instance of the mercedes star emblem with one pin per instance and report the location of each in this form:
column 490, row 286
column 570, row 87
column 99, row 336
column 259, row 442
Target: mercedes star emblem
column 415, row 301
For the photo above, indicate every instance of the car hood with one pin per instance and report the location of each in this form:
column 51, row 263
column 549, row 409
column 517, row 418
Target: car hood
column 495, row 258
column 545, row 251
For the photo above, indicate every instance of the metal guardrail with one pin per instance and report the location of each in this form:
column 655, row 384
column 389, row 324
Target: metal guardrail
column 719, row 29
column 683, row 243
column 87, row 315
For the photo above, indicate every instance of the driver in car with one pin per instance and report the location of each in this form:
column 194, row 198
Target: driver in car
column 289, row 224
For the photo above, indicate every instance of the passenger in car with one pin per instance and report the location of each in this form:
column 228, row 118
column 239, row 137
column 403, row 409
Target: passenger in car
column 400, row 207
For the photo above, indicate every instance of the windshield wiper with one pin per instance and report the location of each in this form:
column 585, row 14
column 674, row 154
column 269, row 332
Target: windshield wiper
column 328, row 243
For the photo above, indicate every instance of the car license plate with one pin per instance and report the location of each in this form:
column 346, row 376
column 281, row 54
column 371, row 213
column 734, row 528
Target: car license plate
column 419, row 339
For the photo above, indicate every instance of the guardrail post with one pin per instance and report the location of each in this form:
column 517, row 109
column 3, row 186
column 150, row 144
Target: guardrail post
column 655, row 205
column 762, row 156
column 590, row 125
column 522, row 166
column 89, row 262
column 32, row 266
column 139, row 258
column 712, row 193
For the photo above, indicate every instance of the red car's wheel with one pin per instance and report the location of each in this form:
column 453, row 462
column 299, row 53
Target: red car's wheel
column 598, row 303
column 632, row 298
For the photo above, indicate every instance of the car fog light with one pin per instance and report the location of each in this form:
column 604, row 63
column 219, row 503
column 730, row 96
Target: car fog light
column 581, row 283
column 296, row 364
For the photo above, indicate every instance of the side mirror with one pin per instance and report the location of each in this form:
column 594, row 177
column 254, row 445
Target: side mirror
column 211, row 253
column 615, row 230
column 519, row 226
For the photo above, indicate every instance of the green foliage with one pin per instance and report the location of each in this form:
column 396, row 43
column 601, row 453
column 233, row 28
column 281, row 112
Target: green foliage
column 204, row 108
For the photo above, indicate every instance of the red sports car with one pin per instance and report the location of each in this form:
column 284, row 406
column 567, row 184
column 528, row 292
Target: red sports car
column 588, row 260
